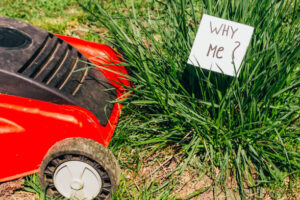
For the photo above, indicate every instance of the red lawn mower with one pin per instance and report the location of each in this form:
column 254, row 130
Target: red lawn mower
column 55, row 118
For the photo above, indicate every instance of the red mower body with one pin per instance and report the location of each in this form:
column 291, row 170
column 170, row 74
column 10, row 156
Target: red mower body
column 30, row 127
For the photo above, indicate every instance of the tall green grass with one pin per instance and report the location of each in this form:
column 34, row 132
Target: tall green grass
column 248, row 125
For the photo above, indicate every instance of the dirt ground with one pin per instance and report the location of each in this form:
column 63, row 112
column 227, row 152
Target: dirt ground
column 194, row 183
column 13, row 191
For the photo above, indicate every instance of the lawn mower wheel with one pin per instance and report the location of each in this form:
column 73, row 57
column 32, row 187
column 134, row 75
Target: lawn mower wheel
column 79, row 168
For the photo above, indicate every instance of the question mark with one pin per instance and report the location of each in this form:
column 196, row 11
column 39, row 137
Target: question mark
column 239, row 44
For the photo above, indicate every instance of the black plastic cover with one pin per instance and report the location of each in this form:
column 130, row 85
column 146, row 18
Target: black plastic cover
column 38, row 65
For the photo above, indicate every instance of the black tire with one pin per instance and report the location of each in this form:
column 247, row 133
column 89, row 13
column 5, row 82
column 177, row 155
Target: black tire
column 84, row 150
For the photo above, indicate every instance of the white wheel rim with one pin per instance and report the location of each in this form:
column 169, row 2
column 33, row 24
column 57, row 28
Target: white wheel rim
column 77, row 179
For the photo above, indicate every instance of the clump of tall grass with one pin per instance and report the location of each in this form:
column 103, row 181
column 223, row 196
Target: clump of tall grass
column 247, row 125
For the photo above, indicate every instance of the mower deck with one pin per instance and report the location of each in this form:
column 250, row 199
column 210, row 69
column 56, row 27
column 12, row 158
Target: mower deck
column 45, row 67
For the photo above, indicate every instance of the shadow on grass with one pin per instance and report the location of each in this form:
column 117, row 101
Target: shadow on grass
column 205, row 84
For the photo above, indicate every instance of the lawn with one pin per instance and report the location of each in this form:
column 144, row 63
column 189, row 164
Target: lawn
column 187, row 133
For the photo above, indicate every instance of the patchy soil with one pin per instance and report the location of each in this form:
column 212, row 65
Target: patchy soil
column 13, row 191
column 194, row 183
column 159, row 167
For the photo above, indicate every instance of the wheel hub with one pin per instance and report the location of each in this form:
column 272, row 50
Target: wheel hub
column 77, row 185
column 77, row 179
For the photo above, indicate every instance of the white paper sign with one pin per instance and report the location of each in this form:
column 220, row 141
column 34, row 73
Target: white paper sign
column 219, row 43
